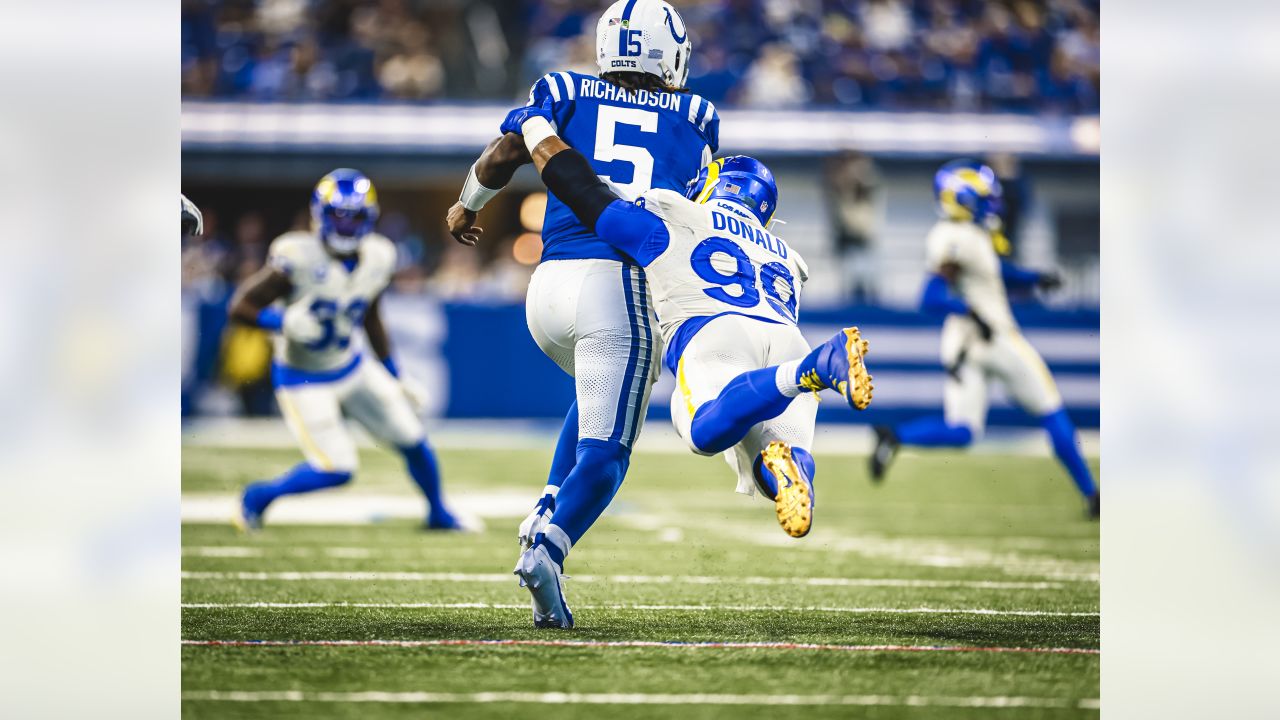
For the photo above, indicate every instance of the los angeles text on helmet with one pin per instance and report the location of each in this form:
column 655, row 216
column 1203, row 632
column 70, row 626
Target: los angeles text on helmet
column 603, row 90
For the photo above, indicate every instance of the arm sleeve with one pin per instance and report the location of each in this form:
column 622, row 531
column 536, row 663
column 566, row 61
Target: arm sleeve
column 570, row 177
column 937, row 298
column 1017, row 277
column 633, row 230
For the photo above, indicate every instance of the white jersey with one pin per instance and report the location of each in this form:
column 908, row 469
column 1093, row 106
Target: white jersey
column 978, row 282
column 719, row 260
column 338, row 298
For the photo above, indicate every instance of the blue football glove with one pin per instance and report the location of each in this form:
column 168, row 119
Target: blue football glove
column 515, row 119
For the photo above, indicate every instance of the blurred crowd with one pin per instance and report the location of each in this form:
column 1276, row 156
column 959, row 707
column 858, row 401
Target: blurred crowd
column 964, row 55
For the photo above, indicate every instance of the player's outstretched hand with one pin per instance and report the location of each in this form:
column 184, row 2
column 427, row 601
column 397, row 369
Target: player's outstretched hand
column 1049, row 280
column 462, row 227
column 514, row 122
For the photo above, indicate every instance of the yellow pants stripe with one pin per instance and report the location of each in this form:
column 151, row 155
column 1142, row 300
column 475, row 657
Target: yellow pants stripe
column 1024, row 348
column 685, row 392
column 309, row 444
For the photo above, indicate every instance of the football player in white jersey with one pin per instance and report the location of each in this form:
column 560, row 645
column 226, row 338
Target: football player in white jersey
column 981, row 340
column 316, row 289
column 726, row 293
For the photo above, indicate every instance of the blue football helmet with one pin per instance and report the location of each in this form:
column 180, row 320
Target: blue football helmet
column 738, row 179
column 344, row 206
column 968, row 191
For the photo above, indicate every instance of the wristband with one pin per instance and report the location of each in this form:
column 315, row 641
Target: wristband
column 270, row 318
column 389, row 363
column 535, row 130
column 474, row 195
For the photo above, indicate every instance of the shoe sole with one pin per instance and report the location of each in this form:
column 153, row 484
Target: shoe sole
column 794, row 503
column 857, row 387
column 566, row 624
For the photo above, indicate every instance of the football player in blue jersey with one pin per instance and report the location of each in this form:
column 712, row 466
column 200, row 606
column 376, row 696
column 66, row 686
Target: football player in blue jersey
column 588, row 305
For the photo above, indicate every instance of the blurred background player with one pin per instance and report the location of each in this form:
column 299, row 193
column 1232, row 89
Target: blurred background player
column 315, row 290
column 588, row 306
column 727, row 295
column 980, row 339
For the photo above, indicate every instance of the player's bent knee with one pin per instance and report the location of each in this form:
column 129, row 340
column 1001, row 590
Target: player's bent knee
column 339, row 463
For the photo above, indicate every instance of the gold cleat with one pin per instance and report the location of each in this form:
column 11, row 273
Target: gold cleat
column 859, row 395
column 794, row 502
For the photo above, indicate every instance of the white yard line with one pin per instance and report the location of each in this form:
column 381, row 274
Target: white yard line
column 638, row 699
column 641, row 607
column 638, row 644
column 444, row 577
column 353, row 507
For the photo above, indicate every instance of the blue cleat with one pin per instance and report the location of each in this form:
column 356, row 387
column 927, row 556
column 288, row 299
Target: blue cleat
column 444, row 521
column 252, row 506
column 793, row 500
column 838, row 364
column 538, row 572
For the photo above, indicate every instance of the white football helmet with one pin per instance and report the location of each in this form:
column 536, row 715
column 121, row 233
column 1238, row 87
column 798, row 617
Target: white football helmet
column 646, row 36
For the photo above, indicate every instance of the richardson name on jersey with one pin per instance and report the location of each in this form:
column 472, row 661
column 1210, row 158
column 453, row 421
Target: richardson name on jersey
column 604, row 90
column 720, row 221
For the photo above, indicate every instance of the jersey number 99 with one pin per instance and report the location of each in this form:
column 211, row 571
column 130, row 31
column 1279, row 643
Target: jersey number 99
column 775, row 278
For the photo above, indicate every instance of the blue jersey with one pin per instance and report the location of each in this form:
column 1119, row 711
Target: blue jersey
column 634, row 140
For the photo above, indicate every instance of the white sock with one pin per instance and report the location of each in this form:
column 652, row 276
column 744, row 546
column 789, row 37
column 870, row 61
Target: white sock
column 785, row 378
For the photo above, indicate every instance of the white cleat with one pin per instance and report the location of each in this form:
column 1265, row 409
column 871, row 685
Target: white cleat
column 539, row 573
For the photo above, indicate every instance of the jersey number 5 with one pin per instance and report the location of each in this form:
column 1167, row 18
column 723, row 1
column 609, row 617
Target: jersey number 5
column 777, row 281
column 608, row 118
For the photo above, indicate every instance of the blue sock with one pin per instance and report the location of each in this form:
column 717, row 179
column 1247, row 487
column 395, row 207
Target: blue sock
column 767, row 484
column 933, row 432
column 426, row 473
column 1063, row 434
column 566, row 455
column 749, row 398
column 301, row 479
column 590, row 487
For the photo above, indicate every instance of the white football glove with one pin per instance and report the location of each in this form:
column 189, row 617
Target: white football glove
column 300, row 325
column 415, row 392
column 537, row 521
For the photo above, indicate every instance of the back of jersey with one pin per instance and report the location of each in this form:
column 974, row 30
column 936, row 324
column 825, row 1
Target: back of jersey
column 635, row 140
column 718, row 260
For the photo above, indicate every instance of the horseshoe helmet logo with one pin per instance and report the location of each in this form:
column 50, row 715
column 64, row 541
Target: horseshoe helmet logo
column 671, row 25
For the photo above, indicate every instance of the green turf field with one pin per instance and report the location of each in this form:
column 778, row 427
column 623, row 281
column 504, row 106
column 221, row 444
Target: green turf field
column 957, row 566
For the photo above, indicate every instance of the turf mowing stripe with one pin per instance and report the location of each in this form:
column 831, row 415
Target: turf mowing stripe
column 640, row 644
column 677, row 608
column 554, row 698
column 628, row 579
